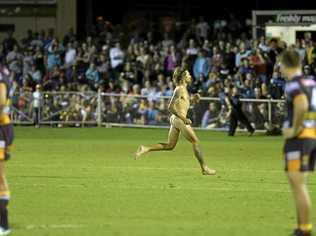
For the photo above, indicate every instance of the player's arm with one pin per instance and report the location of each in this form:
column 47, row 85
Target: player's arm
column 3, row 97
column 171, row 107
column 300, row 107
column 229, row 106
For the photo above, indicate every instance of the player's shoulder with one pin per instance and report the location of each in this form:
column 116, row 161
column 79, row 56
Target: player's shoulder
column 292, row 86
column 180, row 89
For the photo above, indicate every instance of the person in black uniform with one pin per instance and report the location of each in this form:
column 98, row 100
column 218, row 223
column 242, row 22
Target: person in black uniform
column 235, row 113
column 299, row 131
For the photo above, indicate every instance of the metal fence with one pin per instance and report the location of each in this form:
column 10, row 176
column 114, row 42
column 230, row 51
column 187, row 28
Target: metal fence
column 105, row 109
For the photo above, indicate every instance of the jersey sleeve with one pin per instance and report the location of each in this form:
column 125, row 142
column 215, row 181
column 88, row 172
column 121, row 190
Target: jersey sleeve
column 292, row 89
column 2, row 78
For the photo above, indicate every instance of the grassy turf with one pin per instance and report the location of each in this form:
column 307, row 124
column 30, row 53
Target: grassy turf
column 75, row 182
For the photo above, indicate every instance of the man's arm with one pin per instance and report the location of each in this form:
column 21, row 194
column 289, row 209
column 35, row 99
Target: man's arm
column 3, row 97
column 229, row 107
column 300, row 107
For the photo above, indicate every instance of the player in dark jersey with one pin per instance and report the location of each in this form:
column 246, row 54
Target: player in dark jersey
column 299, row 131
column 6, row 139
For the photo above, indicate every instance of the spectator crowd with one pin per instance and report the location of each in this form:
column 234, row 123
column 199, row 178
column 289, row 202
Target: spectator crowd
column 124, row 63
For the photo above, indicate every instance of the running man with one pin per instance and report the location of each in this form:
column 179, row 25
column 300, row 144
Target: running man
column 178, row 107
column 299, row 132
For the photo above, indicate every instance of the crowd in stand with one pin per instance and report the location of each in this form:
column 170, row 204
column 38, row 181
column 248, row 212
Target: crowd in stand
column 112, row 60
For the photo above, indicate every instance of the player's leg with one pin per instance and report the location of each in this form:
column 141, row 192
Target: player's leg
column 170, row 145
column 299, row 160
column 233, row 122
column 298, row 185
column 244, row 120
column 190, row 135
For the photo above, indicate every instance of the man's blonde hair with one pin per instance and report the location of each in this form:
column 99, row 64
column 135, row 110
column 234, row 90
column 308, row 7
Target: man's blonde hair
column 178, row 75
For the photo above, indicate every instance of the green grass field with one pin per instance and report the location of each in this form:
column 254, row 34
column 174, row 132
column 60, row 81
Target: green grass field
column 75, row 182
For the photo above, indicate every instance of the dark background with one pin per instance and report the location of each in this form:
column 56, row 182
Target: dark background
column 115, row 11
column 119, row 12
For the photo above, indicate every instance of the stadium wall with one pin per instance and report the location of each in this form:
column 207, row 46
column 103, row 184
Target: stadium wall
column 59, row 16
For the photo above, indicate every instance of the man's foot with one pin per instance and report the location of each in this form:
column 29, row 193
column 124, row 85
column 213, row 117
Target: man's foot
column 4, row 231
column 208, row 171
column 141, row 151
column 299, row 232
column 251, row 133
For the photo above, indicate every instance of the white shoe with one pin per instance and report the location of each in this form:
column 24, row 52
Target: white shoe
column 4, row 231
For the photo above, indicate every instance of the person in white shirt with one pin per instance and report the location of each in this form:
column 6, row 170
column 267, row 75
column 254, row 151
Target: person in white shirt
column 116, row 56
column 36, row 103
column 70, row 56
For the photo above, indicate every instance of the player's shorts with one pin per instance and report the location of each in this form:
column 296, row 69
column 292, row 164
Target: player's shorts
column 6, row 140
column 300, row 154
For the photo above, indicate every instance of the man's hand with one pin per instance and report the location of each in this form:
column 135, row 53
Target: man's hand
column 187, row 121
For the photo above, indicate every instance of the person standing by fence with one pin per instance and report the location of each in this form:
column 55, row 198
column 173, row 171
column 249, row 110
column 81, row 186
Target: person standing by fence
column 35, row 107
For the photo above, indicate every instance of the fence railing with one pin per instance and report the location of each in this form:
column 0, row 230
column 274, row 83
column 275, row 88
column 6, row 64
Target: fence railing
column 107, row 109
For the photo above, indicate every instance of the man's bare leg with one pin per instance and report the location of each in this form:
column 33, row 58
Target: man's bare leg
column 302, row 200
column 172, row 141
column 190, row 135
